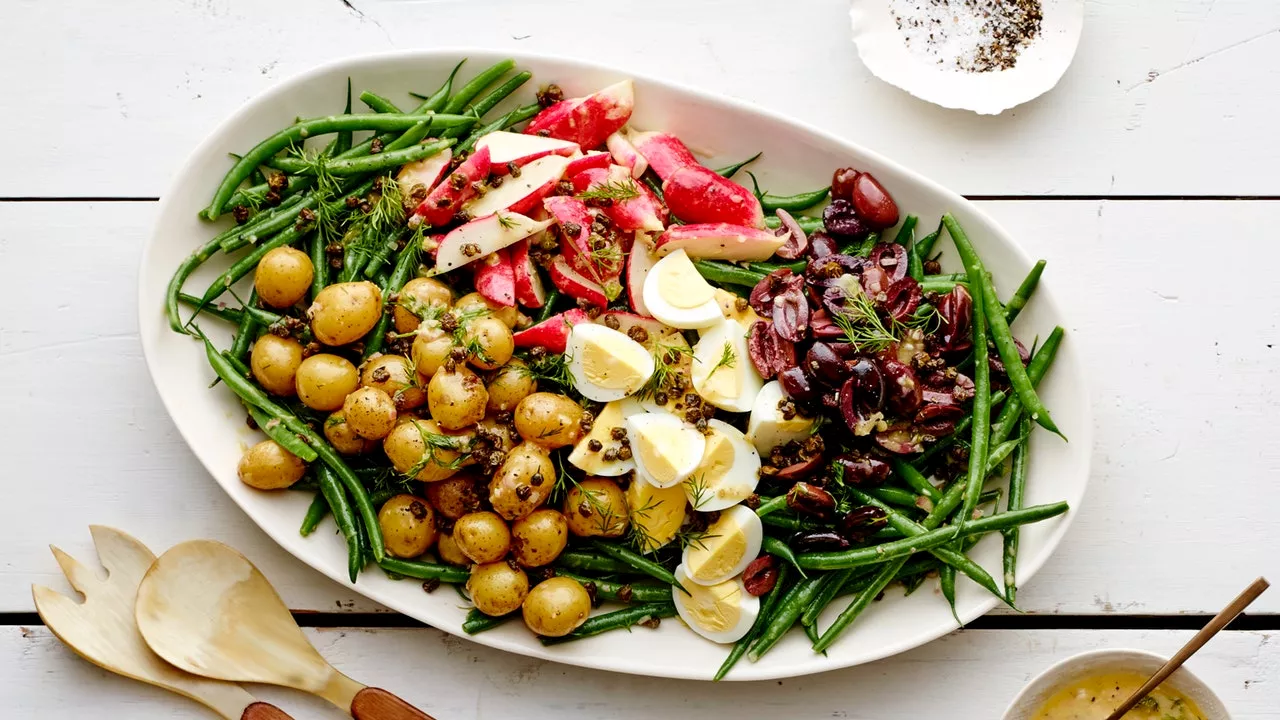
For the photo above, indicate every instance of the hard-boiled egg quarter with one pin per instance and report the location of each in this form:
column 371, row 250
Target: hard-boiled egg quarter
column 721, row 613
column 728, row 472
column 676, row 294
column 608, row 433
column 728, row 546
column 768, row 427
column 656, row 513
column 606, row 365
column 722, row 371
column 666, row 449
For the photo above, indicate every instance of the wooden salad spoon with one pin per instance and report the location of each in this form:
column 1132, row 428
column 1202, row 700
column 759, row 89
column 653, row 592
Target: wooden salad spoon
column 206, row 609
column 1219, row 621
column 102, row 630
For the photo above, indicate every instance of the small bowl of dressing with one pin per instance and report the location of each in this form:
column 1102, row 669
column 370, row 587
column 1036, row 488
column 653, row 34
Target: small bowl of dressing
column 1090, row 685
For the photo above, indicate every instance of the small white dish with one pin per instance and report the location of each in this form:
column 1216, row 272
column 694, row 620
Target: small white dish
column 1096, row 662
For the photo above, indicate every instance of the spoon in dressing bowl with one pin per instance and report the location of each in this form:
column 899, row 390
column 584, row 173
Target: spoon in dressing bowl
column 207, row 610
column 1219, row 621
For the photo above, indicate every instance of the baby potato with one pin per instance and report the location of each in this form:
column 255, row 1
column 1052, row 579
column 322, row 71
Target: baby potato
column 549, row 419
column 394, row 375
column 283, row 277
column 472, row 303
column 408, row 526
column 456, row 398
column 482, row 536
column 431, row 350
column 523, row 482
column 539, row 537
column 324, row 381
column 345, row 312
column 497, row 588
column 418, row 294
column 491, row 340
column 267, row 466
column 510, row 384
column 596, row 507
column 502, row 433
column 274, row 362
column 456, row 496
column 370, row 412
column 407, row 448
column 447, row 550
column 556, row 607
column 344, row 439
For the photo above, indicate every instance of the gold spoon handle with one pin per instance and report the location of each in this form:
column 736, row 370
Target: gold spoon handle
column 377, row 704
column 264, row 711
column 1219, row 621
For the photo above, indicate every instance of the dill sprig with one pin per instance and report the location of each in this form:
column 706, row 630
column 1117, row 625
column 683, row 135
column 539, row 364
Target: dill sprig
column 614, row 190
column 727, row 359
column 663, row 372
column 550, row 368
column 862, row 325
column 698, row 490
column 433, row 443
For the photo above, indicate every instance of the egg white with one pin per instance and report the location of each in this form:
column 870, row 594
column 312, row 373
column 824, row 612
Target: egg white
column 739, row 516
column 707, row 356
column 766, row 428
column 704, row 315
column 584, row 334
column 689, row 445
column 593, row 463
column 738, row 482
column 748, row 606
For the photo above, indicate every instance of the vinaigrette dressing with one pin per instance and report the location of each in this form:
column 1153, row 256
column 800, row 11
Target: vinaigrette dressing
column 1094, row 698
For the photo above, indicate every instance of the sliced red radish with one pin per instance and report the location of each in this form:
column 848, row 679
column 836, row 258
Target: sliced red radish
column 495, row 278
column 576, row 285
column 720, row 241
column 639, row 261
column 417, row 179
column 552, row 333
column 448, row 196
column 587, row 120
column 593, row 159
column 663, row 151
column 506, row 148
column 478, row 238
column 638, row 209
column 625, row 154
column 528, row 281
column 520, row 193
column 699, row 195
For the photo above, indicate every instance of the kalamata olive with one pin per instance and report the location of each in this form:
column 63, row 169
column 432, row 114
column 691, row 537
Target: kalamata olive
column 818, row 541
column 875, row 281
column 845, row 350
column 873, row 203
column 797, row 242
column 760, row 575
column 822, row 326
column 842, row 181
column 938, row 420
column 821, row 245
column 824, row 365
column 863, row 469
column 842, row 221
column 797, row 386
column 955, row 315
column 902, row 298
column 811, row 500
column 899, row 440
column 772, row 285
column 861, row 522
column 769, row 353
column 835, row 300
column 902, row 389
column 803, row 469
column 791, row 314
column 831, row 399
column 866, row 383
column 828, row 269
column 892, row 258
column 946, row 387
column 997, row 365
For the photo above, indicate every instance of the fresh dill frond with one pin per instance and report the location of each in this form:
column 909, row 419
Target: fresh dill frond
column 550, row 368
column 862, row 325
column 386, row 213
column 637, row 534
column 506, row 221
column 433, row 443
column 662, row 370
column 727, row 359
column 698, row 491
column 614, row 190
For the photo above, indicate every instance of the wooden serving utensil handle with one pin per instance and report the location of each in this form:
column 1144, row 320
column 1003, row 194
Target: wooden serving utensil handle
column 377, row 704
column 264, row 711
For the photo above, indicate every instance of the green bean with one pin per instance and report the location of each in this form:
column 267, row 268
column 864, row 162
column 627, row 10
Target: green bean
column 478, row 622
column 1000, row 334
column 981, row 408
column 906, row 233
column 1024, row 292
column 379, row 104
column 544, row 313
column 436, row 100
column 811, row 632
column 584, row 561
column 1017, row 487
column 615, row 620
column 947, row 584
column 729, row 170
column 345, row 517
column 307, row 128
column 316, row 512
column 629, row 593
column 915, row 479
column 342, row 143
column 807, row 224
column 768, row 505
column 637, row 561
column 832, row 583
column 654, row 183
column 424, row 570
column 1036, row 370
column 468, row 92
column 254, row 195
column 220, row 311
column 778, row 548
column 865, row 246
column 800, row 201
column 939, row 286
column 768, row 267
column 358, row 166
column 406, row 265
column 999, row 453
column 381, row 252
column 354, row 253
column 896, row 496
column 789, row 609
column 767, row 606
column 275, row 430
column 789, row 521
column 482, row 106
column 265, row 223
column 245, row 332
column 319, row 263
column 948, row 277
column 188, row 266
column 926, row 243
column 724, row 273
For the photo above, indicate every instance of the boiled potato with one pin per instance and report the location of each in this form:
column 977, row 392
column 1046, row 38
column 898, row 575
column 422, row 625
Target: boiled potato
column 448, row 550
column 408, row 526
column 549, row 419
column 476, row 305
column 502, row 432
column 267, row 466
column 490, row 342
column 345, row 312
column 418, row 294
column 510, row 384
column 539, row 537
column 431, row 350
column 343, row 438
column 421, row 449
column 497, row 588
column 395, row 376
column 456, row 496
column 556, row 607
column 456, row 398
column 482, row 536
column 274, row 362
column 283, row 277
column 523, row 482
column 596, row 507
column 370, row 412
column 324, row 381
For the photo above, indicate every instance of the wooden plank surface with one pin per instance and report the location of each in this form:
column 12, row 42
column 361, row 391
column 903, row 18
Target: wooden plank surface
column 1178, row 517
column 1171, row 98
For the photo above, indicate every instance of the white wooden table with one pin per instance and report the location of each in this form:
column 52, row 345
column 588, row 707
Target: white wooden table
column 1147, row 179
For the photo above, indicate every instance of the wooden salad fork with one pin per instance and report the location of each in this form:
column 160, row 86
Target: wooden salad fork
column 102, row 628
column 206, row 609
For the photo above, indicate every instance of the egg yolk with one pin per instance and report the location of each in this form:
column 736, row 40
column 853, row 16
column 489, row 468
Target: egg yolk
column 715, row 608
column 660, row 449
column 717, row 460
column 612, row 362
column 745, row 317
column 721, row 549
column 680, row 284
column 724, row 382
column 658, row 512
column 582, row 456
